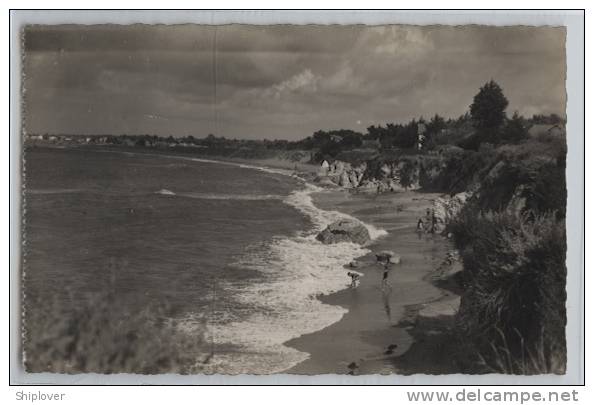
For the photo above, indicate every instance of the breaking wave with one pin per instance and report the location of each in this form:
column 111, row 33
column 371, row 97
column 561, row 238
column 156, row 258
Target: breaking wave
column 214, row 196
column 281, row 303
column 293, row 272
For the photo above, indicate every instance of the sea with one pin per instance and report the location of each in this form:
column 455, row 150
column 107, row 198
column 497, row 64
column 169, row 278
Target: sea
column 229, row 247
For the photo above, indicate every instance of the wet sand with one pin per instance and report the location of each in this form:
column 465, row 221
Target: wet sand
column 371, row 334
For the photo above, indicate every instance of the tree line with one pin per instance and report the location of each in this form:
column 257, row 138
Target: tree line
column 486, row 121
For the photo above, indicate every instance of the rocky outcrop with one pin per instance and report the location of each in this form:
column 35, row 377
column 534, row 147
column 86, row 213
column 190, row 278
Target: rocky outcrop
column 447, row 208
column 346, row 175
column 344, row 230
column 397, row 175
column 374, row 176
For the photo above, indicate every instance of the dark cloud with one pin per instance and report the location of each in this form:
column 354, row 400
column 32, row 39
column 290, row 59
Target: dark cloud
column 278, row 81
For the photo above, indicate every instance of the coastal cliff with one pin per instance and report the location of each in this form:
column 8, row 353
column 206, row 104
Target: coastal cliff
column 376, row 175
column 501, row 179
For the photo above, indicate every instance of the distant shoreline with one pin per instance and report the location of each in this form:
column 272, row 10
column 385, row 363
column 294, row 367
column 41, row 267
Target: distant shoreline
column 308, row 169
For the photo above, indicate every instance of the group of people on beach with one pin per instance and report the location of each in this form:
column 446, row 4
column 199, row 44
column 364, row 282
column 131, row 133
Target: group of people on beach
column 385, row 259
column 428, row 223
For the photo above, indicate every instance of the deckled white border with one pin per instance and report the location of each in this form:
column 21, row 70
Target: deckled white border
column 573, row 20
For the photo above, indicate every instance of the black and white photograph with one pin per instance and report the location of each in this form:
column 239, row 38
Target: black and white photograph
column 301, row 199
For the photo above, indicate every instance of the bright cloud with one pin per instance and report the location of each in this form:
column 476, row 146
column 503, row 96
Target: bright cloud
column 303, row 82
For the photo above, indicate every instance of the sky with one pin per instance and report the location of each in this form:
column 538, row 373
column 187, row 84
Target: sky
column 278, row 81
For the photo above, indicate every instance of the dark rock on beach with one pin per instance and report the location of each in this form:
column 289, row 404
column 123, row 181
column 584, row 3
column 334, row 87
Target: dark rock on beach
column 344, row 230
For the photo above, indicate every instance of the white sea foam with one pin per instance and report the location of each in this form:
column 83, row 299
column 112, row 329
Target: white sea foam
column 216, row 196
column 302, row 200
column 294, row 272
column 164, row 191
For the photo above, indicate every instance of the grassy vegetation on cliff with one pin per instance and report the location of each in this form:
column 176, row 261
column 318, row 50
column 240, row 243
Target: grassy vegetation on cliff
column 511, row 237
column 512, row 242
column 513, row 306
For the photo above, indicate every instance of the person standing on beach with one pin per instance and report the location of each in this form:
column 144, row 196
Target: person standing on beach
column 427, row 221
column 386, row 271
column 385, row 258
column 430, row 221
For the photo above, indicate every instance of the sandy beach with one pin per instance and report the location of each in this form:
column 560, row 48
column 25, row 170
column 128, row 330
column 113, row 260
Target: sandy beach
column 376, row 331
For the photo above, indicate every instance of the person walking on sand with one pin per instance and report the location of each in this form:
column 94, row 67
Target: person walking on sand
column 428, row 221
column 385, row 274
column 385, row 257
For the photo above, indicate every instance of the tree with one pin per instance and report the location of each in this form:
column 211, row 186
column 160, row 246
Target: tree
column 350, row 139
column 435, row 126
column 488, row 107
column 374, row 132
column 552, row 119
column 398, row 135
column 406, row 174
column 515, row 130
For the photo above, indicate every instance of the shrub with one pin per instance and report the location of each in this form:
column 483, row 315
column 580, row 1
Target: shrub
column 100, row 336
column 546, row 190
column 542, row 185
column 472, row 142
column 409, row 170
column 514, row 130
column 454, row 171
column 514, row 302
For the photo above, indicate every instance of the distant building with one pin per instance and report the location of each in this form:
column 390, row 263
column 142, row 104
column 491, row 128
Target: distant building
column 421, row 128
